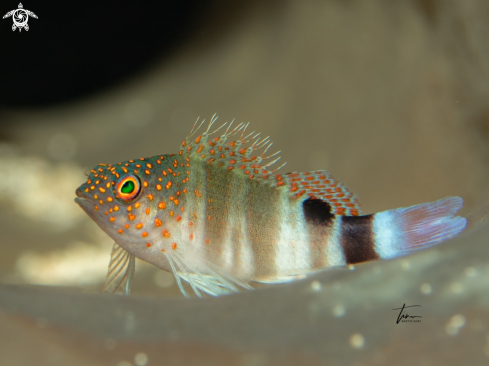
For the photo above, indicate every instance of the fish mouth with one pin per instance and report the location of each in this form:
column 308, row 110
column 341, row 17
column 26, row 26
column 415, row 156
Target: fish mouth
column 82, row 200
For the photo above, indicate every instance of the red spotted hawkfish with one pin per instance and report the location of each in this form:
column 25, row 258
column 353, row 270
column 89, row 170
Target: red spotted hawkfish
column 216, row 216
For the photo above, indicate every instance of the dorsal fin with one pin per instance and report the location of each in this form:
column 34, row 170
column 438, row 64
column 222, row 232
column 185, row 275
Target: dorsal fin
column 231, row 155
column 234, row 156
column 321, row 185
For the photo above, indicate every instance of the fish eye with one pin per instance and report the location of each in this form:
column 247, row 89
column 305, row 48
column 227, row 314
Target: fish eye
column 128, row 188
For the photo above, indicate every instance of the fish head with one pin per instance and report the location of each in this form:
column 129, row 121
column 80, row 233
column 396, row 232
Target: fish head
column 121, row 200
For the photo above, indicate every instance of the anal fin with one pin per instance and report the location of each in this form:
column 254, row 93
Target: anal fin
column 121, row 270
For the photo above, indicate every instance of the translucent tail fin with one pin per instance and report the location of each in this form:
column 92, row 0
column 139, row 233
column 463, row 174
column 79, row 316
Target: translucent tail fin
column 401, row 231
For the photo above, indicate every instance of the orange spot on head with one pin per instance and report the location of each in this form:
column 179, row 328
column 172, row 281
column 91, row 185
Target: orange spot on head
column 139, row 226
column 165, row 233
column 116, row 208
column 171, row 213
column 148, row 245
column 101, row 189
column 179, row 218
column 137, row 205
column 112, row 219
column 144, row 234
column 147, row 172
column 126, row 226
column 92, row 187
column 120, row 231
column 108, row 185
column 158, row 222
column 150, row 197
column 109, row 199
column 145, row 184
column 148, row 211
column 131, row 216
column 158, row 187
column 95, row 208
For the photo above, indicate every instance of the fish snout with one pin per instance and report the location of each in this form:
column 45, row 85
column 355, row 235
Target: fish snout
column 78, row 192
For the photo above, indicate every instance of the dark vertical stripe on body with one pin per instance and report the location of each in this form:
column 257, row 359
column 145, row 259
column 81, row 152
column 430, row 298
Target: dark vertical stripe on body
column 319, row 220
column 357, row 238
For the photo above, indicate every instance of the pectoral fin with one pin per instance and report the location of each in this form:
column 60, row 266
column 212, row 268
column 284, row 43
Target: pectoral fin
column 121, row 270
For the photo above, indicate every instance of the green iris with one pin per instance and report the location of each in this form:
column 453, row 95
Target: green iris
column 128, row 187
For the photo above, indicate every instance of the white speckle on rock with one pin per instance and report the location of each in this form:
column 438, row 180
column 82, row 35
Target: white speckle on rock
column 405, row 265
column 454, row 325
column 426, row 288
column 141, row 359
column 339, row 311
column 470, row 272
column 357, row 340
column 315, row 286
column 456, row 287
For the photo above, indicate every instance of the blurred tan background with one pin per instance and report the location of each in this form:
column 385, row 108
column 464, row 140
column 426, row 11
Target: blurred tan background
column 390, row 96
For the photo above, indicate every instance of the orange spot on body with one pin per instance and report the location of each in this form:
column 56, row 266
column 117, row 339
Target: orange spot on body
column 165, row 233
column 137, row 205
column 158, row 222
column 144, row 234
column 126, row 226
column 158, row 187
column 131, row 216
column 174, row 246
column 148, row 211
column 120, row 231
column 139, row 226
column 112, row 219
column 162, row 205
column 179, row 218
column 148, row 245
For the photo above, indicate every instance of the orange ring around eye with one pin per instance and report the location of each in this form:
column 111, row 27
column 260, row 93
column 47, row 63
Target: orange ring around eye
column 128, row 188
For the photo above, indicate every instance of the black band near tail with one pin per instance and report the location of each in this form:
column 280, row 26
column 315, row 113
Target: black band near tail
column 317, row 212
column 357, row 239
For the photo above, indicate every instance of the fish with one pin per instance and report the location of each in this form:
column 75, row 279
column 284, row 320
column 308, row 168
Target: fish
column 218, row 217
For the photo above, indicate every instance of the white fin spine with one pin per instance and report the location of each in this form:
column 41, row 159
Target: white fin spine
column 211, row 279
column 121, row 270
